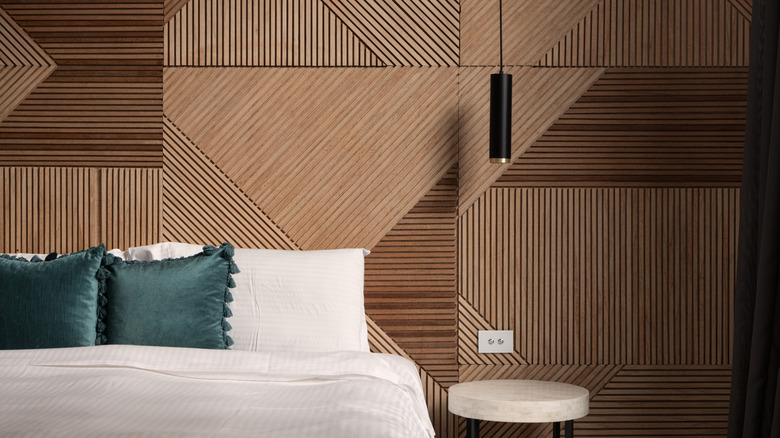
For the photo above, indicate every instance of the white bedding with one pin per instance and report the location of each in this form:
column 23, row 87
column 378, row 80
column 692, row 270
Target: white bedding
column 123, row 390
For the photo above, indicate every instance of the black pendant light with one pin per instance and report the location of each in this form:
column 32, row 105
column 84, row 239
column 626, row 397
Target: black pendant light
column 500, row 104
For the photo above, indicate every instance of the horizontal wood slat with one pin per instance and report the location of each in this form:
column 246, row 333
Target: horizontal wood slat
column 103, row 104
column 684, row 33
column 68, row 209
column 280, row 33
column 641, row 276
column 415, row 263
column 638, row 127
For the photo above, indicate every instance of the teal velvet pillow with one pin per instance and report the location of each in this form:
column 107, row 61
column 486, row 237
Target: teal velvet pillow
column 172, row 302
column 52, row 303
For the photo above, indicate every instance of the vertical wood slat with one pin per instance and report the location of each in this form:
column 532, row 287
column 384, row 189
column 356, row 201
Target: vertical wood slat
column 296, row 33
column 673, row 33
column 68, row 209
column 649, row 279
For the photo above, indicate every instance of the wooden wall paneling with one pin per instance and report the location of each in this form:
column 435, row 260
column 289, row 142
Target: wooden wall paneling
column 444, row 423
column 642, row 276
column 405, row 33
column 172, row 7
column 539, row 97
column 326, row 171
column 102, row 106
column 202, row 206
column 745, row 7
column 530, row 29
column 661, row 400
column 644, row 127
column 685, row 33
column 129, row 210
column 414, row 265
column 23, row 65
column 262, row 33
column 470, row 322
column 68, row 209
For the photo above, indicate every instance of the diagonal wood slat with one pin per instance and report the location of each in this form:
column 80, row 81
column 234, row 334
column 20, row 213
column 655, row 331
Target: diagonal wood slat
column 642, row 127
column 539, row 97
column 469, row 324
column 200, row 204
column 530, row 29
column 745, row 7
column 280, row 33
column 405, row 32
column 315, row 148
column 683, row 33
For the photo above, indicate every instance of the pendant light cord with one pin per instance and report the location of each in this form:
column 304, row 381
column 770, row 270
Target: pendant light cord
column 501, row 36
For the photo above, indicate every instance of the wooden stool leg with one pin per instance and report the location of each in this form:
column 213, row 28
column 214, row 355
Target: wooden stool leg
column 472, row 428
column 556, row 430
column 570, row 429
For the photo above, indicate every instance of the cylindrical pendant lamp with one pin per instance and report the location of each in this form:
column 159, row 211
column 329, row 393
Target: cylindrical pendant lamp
column 500, row 118
column 500, row 105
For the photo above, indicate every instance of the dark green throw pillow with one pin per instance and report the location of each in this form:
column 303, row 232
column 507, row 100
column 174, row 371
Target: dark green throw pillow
column 172, row 302
column 51, row 303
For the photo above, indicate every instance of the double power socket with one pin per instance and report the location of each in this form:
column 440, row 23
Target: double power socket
column 496, row 341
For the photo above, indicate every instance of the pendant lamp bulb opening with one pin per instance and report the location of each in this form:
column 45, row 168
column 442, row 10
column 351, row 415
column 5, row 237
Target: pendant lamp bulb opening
column 500, row 104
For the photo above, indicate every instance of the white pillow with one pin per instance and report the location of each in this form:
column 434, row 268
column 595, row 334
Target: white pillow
column 288, row 300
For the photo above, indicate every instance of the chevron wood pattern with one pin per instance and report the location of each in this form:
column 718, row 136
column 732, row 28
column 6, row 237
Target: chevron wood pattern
column 444, row 423
column 280, row 33
column 530, row 29
column 102, row 105
column 642, row 276
column 591, row 377
column 539, row 96
column 690, row 33
column 23, row 65
column 404, row 32
column 320, row 169
column 637, row 127
column 44, row 209
column 415, row 263
column 202, row 205
column 660, row 401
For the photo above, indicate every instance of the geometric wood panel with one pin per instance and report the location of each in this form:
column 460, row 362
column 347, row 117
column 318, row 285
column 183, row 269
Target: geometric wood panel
column 540, row 96
column 262, row 33
column 102, row 106
column 404, row 33
column 470, row 322
column 644, row 127
column 68, row 209
column 601, row 275
column 202, row 206
column 531, row 27
column 321, row 151
column 414, row 266
column 622, row 33
column 661, row 401
column 23, row 65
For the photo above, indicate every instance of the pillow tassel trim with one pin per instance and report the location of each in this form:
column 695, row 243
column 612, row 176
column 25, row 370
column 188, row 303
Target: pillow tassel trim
column 102, row 275
column 227, row 253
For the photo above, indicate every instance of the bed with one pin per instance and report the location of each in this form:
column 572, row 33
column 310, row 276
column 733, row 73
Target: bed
column 292, row 362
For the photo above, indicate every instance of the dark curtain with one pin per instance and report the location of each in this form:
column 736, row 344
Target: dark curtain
column 754, row 409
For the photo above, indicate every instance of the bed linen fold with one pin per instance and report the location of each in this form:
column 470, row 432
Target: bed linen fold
column 123, row 390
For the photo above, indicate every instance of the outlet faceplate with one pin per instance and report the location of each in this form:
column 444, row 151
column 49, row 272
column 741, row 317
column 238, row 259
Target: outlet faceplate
column 496, row 341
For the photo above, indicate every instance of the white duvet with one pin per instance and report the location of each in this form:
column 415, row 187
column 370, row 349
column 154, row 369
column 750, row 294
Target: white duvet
column 122, row 390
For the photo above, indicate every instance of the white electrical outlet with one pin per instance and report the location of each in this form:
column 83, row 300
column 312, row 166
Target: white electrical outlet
column 496, row 341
